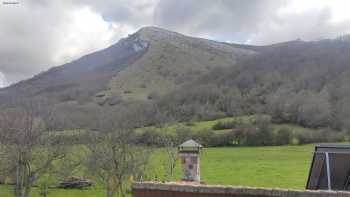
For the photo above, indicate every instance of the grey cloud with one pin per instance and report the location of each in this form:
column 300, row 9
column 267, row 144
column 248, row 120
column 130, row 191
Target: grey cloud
column 308, row 25
column 133, row 13
column 260, row 21
column 225, row 17
column 27, row 38
column 33, row 33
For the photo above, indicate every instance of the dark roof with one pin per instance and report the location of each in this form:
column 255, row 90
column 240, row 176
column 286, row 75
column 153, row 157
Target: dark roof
column 332, row 148
column 330, row 167
column 190, row 144
column 339, row 145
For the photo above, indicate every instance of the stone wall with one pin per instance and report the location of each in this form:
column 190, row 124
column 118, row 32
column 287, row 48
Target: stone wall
column 154, row 189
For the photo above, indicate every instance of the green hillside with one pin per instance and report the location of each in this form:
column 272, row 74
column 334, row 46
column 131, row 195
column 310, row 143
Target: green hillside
column 204, row 125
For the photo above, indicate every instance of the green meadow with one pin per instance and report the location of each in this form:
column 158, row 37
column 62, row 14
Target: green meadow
column 275, row 166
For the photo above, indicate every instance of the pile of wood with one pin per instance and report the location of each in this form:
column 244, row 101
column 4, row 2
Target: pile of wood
column 75, row 183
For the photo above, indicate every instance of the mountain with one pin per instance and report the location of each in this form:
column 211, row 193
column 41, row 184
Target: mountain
column 162, row 73
column 148, row 63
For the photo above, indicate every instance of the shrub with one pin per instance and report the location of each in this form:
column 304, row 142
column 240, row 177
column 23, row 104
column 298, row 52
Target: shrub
column 190, row 123
column 322, row 135
column 224, row 125
column 149, row 137
column 205, row 137
column 283, row 136
column 183, row 134
column 238, row 136
column 153, row 95
column 209, row 138
column 227, row 138
column 258, row 136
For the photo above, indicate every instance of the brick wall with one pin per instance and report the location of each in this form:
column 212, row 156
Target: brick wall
column 153, row 189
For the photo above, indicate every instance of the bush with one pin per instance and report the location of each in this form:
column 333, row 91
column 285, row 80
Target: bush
column 149, row 137
column 224, row 125
column 322, row 135
column 283, row 136
column 209, row 138
column 260, row 133
column 227, row 139
column 127, row 91
column 153, row 95
column 183, row 134
column 238, row 137
column 205, row 137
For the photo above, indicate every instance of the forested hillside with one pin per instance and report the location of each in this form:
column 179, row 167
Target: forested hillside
column 161, row 76
column 306, row 83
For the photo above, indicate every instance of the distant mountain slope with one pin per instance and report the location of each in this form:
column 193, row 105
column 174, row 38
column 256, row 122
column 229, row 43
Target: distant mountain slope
column 306, row 83
column 171, row 60
column 157, row 73
column 81, row 78
column 151, row 62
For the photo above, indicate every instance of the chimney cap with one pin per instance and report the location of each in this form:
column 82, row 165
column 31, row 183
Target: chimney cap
column 190, row 144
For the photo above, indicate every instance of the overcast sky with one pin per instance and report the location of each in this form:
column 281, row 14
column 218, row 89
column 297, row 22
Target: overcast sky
column 38, row 34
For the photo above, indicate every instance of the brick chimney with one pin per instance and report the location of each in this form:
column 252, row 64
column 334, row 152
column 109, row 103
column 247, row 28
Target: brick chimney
column 189, row 154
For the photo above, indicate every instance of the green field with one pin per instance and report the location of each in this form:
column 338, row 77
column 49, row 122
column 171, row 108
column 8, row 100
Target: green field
column 279, row 166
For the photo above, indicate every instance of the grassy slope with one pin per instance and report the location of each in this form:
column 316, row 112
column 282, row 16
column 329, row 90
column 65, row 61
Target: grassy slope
column 203, row 125
column 171, row 60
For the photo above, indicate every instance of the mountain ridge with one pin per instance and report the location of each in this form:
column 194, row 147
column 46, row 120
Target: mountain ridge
column 165, row 51
column 154, row 62
column 160, row 75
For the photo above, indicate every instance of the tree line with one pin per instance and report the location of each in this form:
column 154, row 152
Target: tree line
column 32, row 147
column 306, row 83
column 257, row 132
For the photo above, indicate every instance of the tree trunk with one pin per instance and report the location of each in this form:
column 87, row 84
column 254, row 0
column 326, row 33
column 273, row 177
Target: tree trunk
column 172, row 169
column 110, row 191
column 30, row 179
column 18, row 190
column 27, row 191
column 19, row 177
column 121, row 189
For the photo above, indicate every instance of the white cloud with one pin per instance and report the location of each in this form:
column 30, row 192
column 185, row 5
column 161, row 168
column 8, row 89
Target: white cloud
column 86, row 32
column 306, row 20
column 339, row 8
column 35, row 35
column 3, row 82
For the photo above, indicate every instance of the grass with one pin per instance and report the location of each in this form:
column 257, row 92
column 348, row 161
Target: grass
column 278, row 166
column 7, row 191
column 284, row 167
column 208, row 125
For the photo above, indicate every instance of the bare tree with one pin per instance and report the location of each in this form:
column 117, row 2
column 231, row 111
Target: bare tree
column 30, row 149
column 170, row 146
column 113, row 156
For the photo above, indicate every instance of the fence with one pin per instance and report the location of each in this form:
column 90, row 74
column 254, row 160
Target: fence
column 154, row 189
